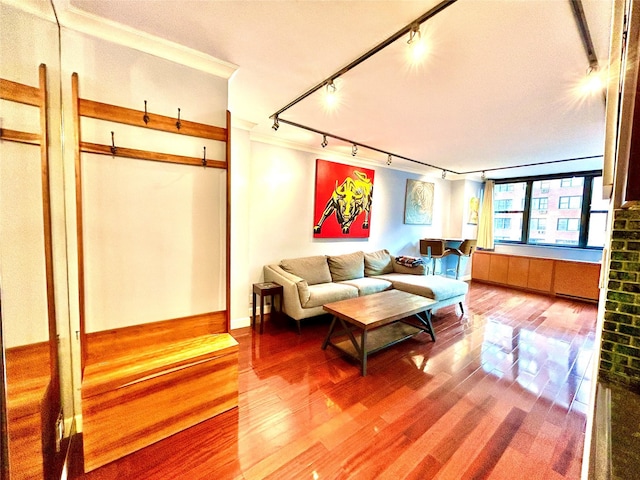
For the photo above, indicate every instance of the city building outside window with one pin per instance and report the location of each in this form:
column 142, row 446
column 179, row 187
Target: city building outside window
column 564, row 210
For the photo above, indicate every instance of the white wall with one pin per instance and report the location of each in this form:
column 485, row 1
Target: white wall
column 22, row 255
column 154, row 247
column 280, row 185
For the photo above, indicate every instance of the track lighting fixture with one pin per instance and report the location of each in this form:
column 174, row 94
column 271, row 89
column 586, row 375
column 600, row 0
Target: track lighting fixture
column 484, row 176
column 415, row 31
column 276, row 123
column 354, row 150
column 389, row 160
column 444, row 174
column 331, row 87
column 324, row 141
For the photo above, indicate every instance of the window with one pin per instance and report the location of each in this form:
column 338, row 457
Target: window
column 508, row 206
column 502, row 223
column 539, row 203
column 569, row 224
column 572, row 182
column 571, row 203
column 552, row 210
column 539, row 224
column 598, row 213
column 503, row 204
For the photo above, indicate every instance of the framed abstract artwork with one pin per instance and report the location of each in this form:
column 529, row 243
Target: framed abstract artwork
column 418, row 203
column 474, row 204
column 343, row 200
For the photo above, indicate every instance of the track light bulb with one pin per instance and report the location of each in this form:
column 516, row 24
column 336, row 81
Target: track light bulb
column 444, row 174
column 389, row 160
column 354, row 150
column 330, row 96
column 276, row 123
column 324, row 141
column 484, row 176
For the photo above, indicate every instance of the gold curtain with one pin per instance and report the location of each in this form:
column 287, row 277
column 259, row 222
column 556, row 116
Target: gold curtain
column 485, row 228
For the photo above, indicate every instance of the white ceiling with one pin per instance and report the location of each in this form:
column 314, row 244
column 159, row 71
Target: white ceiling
column 498, row 87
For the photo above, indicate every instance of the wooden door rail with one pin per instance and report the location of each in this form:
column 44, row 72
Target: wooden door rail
column 87, row 147
column 26, row 95
column 19, row 93
column 128, row 116
column 20, row 137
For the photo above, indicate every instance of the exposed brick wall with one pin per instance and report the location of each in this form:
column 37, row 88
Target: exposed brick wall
column 620, row 354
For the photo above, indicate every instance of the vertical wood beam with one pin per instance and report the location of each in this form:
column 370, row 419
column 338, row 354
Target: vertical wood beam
column 48, row 229
column 79, row 223
column 228, row 233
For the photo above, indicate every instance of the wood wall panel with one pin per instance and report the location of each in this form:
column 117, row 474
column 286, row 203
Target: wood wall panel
column 150, row 394
column 111, row 344
column 577, row 279
column 28, row 380
column 499, row 269
column 518, row 273
column 544, row 275
column 480, row 265
column 540, row 274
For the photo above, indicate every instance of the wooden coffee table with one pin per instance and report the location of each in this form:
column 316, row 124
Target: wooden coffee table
column 384, row 319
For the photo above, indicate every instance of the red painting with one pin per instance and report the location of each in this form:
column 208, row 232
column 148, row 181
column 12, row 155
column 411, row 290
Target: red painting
column 343, row 200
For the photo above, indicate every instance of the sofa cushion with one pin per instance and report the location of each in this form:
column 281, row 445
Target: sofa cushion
column 313, row 269
column 368, row 285
column 430, row 286
column 323, row 293
column 377, row 263
column 346, row 267
column 417, row 270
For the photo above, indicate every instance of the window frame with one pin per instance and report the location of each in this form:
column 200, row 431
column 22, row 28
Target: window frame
column 585, row 212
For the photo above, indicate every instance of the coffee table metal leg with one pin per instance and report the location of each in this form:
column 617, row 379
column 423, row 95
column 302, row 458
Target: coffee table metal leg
column 426, row 321
column 326, row 340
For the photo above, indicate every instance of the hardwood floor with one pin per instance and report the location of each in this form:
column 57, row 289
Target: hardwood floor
column 501, row 394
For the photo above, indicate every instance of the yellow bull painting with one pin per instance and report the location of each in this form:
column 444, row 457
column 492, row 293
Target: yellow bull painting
column 348, row 200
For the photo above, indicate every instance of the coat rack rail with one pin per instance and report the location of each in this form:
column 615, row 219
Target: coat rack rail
column 20, row 137
column 128, row 116
column 17, row 92
column 87, row 147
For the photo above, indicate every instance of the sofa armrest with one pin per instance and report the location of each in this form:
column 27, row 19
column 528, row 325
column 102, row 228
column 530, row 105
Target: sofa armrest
column 295, row 289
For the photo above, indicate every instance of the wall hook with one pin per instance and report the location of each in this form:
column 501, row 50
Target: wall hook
column 178, row 123
column 114, row 149
column 146, row 116
column 204, row 157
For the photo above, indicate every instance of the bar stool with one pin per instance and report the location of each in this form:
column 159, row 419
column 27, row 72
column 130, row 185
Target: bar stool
column 433, row 248
column 465, row 249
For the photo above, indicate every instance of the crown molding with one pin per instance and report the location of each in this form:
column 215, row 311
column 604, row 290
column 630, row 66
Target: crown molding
column 40, row 9
column 241, row 123
column 80, row 21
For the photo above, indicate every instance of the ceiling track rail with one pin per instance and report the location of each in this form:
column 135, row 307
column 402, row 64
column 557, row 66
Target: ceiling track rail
column 402, row 157
column 382, row 45
column 585, row 35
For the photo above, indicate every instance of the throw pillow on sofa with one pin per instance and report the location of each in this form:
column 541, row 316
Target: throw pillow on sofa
column 377, row 263
column 346, row 267
column 314, row 269
column 417, row 270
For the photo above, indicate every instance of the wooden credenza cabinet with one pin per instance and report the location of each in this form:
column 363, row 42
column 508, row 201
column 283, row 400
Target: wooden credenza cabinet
column 544, row 275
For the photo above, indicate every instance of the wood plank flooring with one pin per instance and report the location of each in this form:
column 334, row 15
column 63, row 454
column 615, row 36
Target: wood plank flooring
column 501, row 394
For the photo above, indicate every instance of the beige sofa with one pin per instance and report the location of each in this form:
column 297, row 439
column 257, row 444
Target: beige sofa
column 311, row 282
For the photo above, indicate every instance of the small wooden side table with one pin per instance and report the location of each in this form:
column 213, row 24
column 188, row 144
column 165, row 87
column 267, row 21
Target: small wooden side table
column 264, row 290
